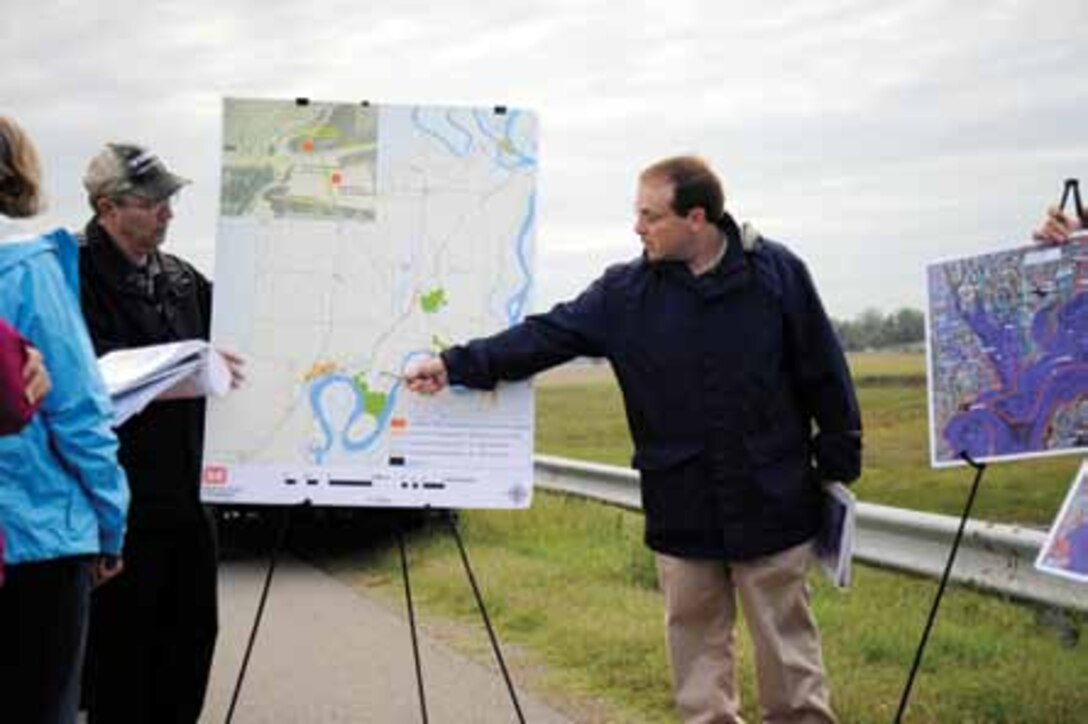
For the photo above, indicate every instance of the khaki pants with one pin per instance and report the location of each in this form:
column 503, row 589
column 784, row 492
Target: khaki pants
column 700, row 611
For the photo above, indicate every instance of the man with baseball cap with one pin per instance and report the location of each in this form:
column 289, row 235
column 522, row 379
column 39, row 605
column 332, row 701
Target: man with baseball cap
column 153, row 633
column 123, row 168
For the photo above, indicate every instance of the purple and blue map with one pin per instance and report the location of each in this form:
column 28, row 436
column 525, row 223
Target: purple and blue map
column 1066, row 550
column 1008, row 354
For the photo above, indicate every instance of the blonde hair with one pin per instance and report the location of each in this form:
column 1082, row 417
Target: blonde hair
column 20, row 172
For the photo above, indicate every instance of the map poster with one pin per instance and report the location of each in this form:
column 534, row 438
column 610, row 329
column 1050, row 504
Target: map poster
column 1007, row 337
column 1065, row 552
column 353, row 240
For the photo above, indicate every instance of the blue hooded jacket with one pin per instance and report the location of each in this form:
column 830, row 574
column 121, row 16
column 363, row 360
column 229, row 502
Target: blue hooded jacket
column 62, row 492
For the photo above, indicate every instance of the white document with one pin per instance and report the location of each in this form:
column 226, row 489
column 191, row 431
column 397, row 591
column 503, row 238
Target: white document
column 835, row 541
column 137, row 376
column 357, row 241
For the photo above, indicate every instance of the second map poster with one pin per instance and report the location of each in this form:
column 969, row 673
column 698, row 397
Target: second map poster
column 354, row 239
column 1008, row 354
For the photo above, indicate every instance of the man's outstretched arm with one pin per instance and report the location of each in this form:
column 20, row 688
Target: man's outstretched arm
column 571, row 329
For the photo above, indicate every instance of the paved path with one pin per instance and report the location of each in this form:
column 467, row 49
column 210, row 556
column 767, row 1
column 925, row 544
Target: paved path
column 324, row 653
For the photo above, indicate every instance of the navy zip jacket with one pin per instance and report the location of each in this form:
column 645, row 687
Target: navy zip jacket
column 738, row 396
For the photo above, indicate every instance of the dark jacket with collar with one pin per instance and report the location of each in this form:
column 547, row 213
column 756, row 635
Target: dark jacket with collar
column 161, row 447
column 738, row 396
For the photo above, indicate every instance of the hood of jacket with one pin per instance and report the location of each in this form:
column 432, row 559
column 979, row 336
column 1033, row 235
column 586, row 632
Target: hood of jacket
column 18, row 243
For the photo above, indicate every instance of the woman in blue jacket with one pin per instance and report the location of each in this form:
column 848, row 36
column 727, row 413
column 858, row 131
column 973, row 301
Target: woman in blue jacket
column 63, row 497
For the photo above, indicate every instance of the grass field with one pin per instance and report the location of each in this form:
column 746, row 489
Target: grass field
column 572, row 594
column 892, row 393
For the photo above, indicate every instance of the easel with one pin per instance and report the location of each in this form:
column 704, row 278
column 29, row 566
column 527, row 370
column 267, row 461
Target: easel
column 273, row 557
column 980, row 468
column 1070, row 190
column 451, row 520
column 450, row 516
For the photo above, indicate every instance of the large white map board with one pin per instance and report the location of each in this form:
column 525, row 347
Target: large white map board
column 354, row 239
column 1007, row 337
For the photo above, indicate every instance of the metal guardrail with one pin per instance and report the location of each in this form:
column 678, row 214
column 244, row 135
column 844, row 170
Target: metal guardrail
column 993, row 557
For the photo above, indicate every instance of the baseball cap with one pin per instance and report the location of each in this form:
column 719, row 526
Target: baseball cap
column 125, row 168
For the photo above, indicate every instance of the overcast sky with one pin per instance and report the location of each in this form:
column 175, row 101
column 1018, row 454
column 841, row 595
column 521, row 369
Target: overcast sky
column 869, row 136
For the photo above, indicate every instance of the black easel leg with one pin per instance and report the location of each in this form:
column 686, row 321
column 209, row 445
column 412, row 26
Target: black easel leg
column 483, row 613
column 980, row 468
column 281, row 541
column 412, row 623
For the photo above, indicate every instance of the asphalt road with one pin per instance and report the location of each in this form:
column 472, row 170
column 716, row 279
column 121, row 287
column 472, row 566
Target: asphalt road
column 325, row 653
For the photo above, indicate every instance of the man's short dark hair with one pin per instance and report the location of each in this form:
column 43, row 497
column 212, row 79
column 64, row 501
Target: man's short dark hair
column 696, row 185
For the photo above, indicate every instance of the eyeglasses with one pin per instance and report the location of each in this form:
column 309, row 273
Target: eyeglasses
column 142, row 203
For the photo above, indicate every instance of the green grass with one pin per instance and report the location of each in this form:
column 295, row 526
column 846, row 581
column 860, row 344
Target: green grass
column 896, row 468
column 572, row 591
column 583, row 421
column 582, row 417
column 887, row 364
column 572, row 594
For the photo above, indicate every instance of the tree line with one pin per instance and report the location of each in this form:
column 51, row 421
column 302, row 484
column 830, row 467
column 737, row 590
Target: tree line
column 874, row 330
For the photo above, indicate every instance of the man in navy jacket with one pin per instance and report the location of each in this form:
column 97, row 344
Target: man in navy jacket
column 740, row 405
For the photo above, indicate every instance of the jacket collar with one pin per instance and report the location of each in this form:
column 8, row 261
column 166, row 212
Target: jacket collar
column 731, row 272
column 116, row 268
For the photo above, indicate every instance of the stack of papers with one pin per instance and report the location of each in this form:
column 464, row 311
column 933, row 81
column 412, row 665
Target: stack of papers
column 835, row 541
column 137, row 376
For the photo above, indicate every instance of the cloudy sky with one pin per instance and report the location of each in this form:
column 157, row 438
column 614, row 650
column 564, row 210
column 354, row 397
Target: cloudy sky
column 870, row 136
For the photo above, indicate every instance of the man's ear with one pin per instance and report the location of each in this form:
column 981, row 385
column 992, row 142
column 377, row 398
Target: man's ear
column 103, row 204
column 697, row 216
